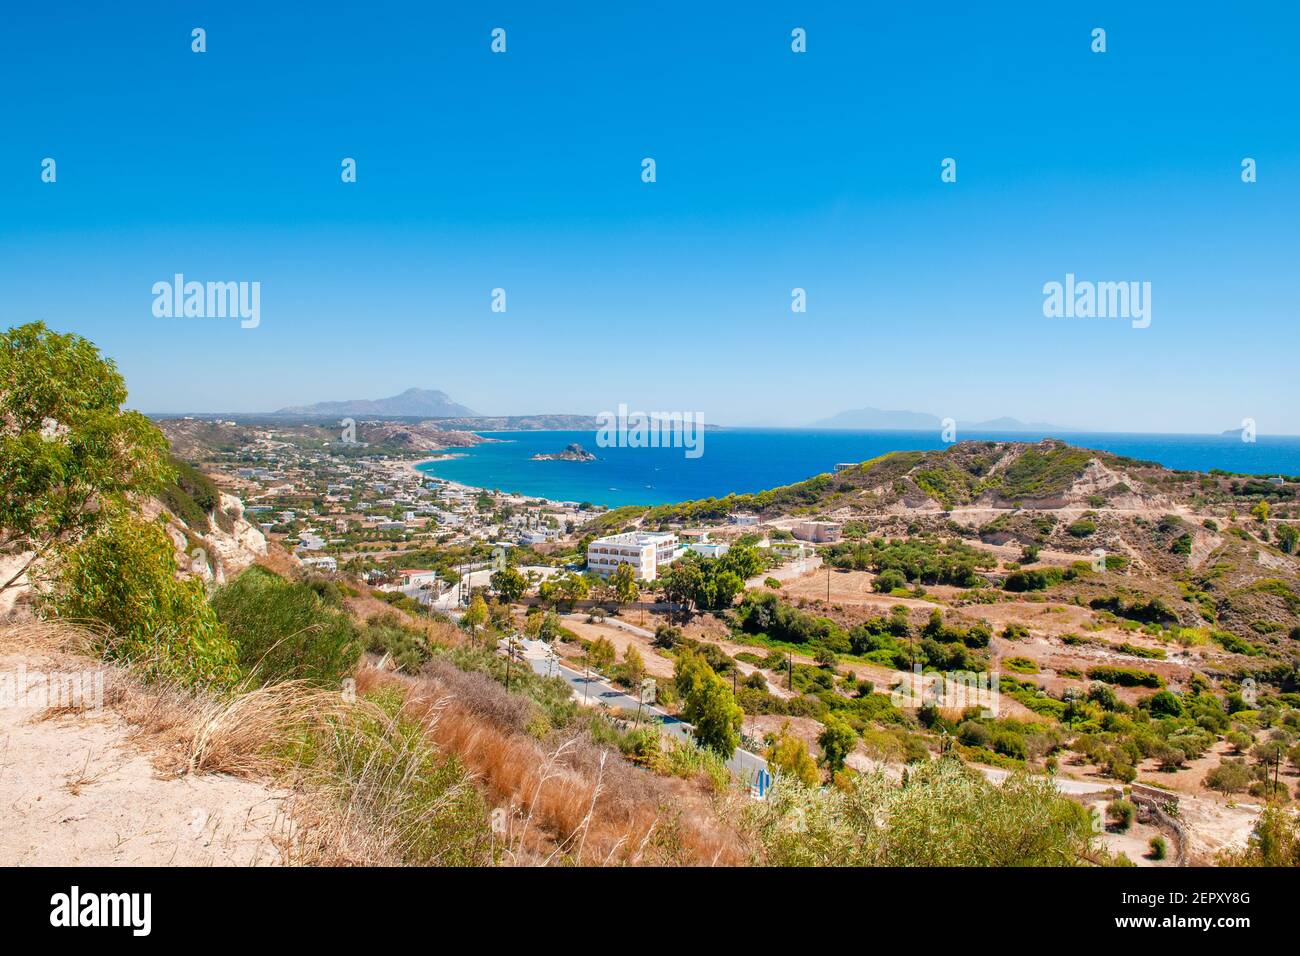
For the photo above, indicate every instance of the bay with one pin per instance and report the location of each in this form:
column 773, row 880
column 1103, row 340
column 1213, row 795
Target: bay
column 746, row 460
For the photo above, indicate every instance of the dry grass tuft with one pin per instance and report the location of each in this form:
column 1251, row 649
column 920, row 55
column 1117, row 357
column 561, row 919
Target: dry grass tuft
column 50, row 636
column 238, row 734
column 569, row 800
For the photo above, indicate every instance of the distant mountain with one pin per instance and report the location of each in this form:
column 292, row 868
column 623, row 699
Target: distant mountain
column 412, row 403
column 886, row 420
column 877, row 418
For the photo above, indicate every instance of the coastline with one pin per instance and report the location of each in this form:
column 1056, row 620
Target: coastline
column 741, row 461
column 413, row 467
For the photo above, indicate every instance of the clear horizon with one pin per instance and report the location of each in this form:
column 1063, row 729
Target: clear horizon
column 775, row 170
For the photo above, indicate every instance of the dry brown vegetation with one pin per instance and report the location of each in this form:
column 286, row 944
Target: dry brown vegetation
column 566, row 798
column 562, row 799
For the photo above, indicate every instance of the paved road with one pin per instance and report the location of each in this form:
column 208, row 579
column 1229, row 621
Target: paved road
column 595, row 691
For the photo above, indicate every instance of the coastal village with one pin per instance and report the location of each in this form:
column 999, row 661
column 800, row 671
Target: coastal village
column 369, row 514
column 431, row 547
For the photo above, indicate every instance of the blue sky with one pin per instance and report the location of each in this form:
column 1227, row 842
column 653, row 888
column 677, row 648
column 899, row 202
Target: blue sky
column 775, row 170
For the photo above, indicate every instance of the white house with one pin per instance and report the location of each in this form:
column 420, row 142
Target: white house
column 818, row 531
column 417, row 578
column 645, row 551
column 709, row 549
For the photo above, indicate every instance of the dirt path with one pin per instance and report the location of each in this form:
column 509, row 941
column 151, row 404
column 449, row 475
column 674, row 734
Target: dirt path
column 76, row 791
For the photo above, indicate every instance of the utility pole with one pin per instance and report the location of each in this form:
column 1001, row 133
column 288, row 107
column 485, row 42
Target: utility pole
column 510, row 640
column 789, row 663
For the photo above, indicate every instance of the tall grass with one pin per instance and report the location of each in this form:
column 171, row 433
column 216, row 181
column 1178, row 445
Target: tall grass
column 567, row 799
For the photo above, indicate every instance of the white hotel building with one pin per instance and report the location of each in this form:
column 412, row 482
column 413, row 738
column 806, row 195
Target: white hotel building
column 645, row 551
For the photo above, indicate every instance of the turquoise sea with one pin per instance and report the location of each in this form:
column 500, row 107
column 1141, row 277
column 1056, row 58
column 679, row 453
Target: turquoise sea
column 751, row 459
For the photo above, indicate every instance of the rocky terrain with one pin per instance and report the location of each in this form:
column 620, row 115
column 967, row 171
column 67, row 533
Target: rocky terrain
column 572, row 452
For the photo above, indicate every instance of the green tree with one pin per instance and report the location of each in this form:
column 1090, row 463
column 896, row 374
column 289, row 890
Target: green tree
column 788, row 755
column 1230, row 776
column 632, row 670
column 681, row 583
column 573, row 587
column 743, row 561
column 509, row 584
column 123, row 576
column 1288, row 537
column 476, row 615
column 624, row 583
column 707, row 702
column 533, row 623
column 837, row 741
column 551, row 627
column 67, row 450
column 600, row 654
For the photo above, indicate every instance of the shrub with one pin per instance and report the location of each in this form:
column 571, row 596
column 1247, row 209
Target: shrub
column 1165, row 704
column 1240, row 740
column 123, row 576
column 1169, row 757
column 788, row 755
column 1153, row 611
column 1122, row 771
column 1158, row 848
column 1230, row 776
column 667, row 636
column 1125, row 676
column 1267, row 790
column 837, row 742
column 944, row 814
column 283, row 630
column 192, row 497
column 1121, row 813
column 1274, row 841
column 406, row 646
column 890, row 580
